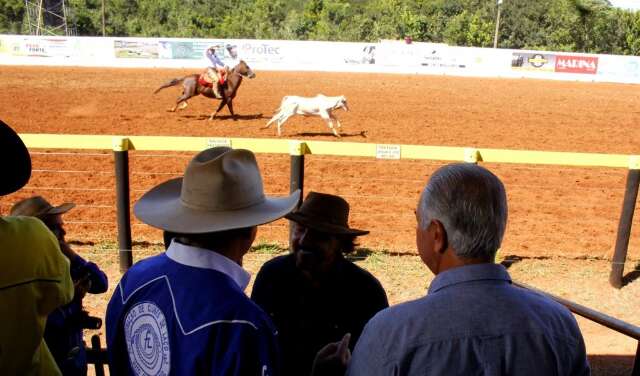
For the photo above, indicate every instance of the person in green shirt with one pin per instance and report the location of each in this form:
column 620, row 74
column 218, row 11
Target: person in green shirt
column 34, row 277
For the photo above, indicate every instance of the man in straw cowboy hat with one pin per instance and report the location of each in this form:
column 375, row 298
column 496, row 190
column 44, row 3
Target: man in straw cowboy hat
column 35, row 275
column 184, row 311
column 315, row 295
column 63, row 333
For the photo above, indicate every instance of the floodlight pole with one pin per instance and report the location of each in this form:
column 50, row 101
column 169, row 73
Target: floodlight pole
column 495, row 37
column 103, row 30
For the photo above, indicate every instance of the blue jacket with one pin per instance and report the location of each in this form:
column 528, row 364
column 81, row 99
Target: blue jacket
column 63, row 332
column 184, row 312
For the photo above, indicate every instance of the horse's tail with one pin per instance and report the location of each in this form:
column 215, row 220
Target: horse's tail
column 174, row 82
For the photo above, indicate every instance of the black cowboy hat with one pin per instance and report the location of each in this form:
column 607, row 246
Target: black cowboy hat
column 326, row 213
column 16, row 161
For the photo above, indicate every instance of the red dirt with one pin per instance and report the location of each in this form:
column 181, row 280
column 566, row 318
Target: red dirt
column 553, row 210
column 566, row 213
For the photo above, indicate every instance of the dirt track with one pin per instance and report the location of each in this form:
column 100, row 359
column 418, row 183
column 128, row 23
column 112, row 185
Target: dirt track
column 553, row 210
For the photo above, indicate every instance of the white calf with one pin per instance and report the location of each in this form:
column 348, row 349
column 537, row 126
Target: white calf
column 319, row 105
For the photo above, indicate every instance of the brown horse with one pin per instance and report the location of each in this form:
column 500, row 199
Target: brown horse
column 192, row 87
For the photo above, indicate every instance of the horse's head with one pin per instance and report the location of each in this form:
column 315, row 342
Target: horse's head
column 243, row 69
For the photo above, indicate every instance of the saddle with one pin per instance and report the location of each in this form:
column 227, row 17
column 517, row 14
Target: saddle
column 202, row 80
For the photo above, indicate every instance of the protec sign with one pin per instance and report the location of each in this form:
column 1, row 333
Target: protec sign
column 576, row 64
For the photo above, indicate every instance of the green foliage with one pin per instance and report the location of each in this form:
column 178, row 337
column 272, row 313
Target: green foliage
column 559, row 25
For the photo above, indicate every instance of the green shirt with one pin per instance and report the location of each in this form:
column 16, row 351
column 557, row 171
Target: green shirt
column 34, row 281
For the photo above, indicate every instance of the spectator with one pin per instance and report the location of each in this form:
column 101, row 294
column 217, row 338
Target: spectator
column 63, row 333
column 473, row 321
column 315, row 295
column 35, row 275
column 184, row 312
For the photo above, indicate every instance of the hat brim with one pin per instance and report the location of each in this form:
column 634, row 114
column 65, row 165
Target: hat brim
column 61, row 209
column 17, row 173
column 162, row 208
column 324, row 227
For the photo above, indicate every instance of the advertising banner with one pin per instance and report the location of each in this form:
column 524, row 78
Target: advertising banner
column 577, row 64
column 40, row 47
column 139, row 49
column 533, row 61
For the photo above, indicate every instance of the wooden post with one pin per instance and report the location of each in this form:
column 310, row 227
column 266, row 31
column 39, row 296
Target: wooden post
column 624, row 227
column 121, row 158
column 297, row 150
column 96, row 350
column 636, row 362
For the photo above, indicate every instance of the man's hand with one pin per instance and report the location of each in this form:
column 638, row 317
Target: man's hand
column 332, row 360
column 81, row 287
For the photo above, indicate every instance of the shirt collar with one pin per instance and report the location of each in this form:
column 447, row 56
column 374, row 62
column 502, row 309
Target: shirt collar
column 469, row 273
column 206, row 259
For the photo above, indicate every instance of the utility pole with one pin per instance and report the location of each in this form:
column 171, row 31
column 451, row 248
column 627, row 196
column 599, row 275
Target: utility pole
column 103, row 33
column 495, row 37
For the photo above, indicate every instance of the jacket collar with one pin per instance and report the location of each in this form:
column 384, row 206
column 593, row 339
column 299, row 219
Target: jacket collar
column 206, row 259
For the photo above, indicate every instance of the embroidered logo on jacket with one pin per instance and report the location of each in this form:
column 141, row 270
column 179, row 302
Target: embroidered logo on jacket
column 145, row 330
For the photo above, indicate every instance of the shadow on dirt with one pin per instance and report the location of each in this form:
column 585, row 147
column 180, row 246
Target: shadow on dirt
column 225, row 117
column 318, row 134
column 632, row 275
column 611, row 365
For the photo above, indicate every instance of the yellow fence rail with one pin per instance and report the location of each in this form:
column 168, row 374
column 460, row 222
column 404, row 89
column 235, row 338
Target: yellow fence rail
column 297, row 150
column 346, row 149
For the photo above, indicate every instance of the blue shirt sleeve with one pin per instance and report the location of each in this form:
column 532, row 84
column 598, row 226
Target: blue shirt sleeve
column 99, row 281
column 215, row 60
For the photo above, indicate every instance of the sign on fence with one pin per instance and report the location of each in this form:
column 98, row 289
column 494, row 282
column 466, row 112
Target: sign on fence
column 388, row 151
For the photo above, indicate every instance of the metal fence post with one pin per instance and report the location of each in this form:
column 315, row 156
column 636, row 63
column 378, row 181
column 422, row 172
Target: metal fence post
column 121, row 159
column 297, row 150
column 624, row 226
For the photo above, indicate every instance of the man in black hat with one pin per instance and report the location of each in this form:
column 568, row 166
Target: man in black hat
column 35, row 275
column 315, row 295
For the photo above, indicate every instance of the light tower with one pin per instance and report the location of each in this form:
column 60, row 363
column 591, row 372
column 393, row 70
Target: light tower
column 47, row 17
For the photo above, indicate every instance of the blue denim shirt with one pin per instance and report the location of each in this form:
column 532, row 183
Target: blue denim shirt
column 473, row 321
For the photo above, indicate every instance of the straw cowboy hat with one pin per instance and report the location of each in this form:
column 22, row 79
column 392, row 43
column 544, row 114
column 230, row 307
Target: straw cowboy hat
column 221, row 190
column 326, row 213
column 16, row 161
column 37, row 206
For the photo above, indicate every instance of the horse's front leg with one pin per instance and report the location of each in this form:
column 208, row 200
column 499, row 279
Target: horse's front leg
column 222, row 103
column 230, row 105
column 329, row 119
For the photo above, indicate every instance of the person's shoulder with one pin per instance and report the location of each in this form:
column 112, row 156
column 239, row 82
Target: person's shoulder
column 278, row 263
column 28, row 233
column 401, row 314
column 359, row 274
column 543, row 304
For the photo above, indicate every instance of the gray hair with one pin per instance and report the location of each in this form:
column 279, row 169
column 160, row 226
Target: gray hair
column 471, row 204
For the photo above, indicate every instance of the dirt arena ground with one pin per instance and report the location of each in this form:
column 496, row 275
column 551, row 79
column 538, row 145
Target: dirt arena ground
column 563, row 214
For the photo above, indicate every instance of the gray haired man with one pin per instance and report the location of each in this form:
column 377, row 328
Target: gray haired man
column 473, row 320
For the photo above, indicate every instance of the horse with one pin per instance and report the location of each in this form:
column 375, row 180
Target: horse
column 191, row 87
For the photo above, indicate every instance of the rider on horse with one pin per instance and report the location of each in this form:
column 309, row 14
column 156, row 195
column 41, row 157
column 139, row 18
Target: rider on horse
column 218, row 72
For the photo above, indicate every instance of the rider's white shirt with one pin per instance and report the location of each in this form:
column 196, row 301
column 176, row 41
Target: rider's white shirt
column 231, row 62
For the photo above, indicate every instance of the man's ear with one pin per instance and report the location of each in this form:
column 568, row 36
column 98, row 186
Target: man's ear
column 440, row 239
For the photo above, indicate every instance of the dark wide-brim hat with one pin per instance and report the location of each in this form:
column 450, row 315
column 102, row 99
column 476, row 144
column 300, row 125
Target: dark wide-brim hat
column 221, row 190
column 37, row 206
column 326, row 213
column 16, row 161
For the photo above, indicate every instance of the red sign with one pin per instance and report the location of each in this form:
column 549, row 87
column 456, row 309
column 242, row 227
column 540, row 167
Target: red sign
column 576, row 64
